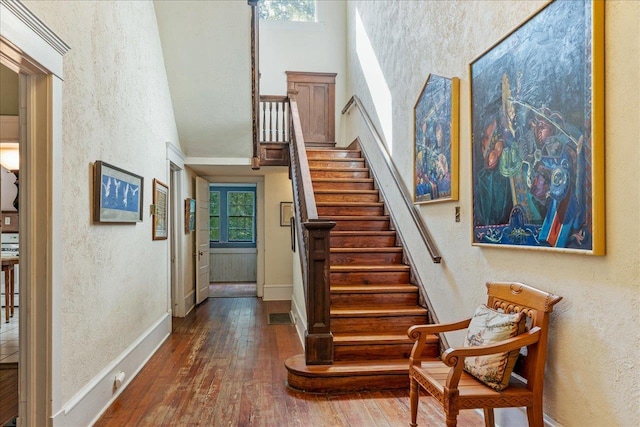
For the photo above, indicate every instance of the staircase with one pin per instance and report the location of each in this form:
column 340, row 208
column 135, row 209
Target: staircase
column 373, row 302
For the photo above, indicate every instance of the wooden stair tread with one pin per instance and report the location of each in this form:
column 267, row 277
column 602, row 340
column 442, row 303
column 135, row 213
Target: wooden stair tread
column 372, row 289
column 347, row 233
column 337, row 169
column 362, row 339
column 348, row 368
column 325, row 191
column 350, row 204
column 377, row 311
column 345, row 180
column 369, row 268
column 368, row 250
column 355, row 217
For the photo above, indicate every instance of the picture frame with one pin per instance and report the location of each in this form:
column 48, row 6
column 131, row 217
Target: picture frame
column 160, row 228
column 436, row 140
column 537, row 122
column 117, row 195
column 189, row 215
column 286, row 212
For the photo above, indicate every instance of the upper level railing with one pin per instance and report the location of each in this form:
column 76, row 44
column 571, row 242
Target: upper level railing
column 406, row 196
column 313, row 241
column 274, row 118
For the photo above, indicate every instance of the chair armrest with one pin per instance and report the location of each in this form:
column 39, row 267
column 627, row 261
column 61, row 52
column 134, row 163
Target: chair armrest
column 419, row 333
column 415, row 332
column 451, row 356
column 454, row 357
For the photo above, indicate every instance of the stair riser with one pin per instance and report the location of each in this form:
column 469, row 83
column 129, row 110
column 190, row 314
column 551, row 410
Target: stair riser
column 328, row 163
column 349, row 383
column 350, row 210
column 376, row 325
column 342, row 185
column 357, row 225
column 334, row 154
column 338, row 174
column 372, row 258
column 379, row 352
column 362, row 241
column 348, row 278
column 347, row 197
column 371, row 300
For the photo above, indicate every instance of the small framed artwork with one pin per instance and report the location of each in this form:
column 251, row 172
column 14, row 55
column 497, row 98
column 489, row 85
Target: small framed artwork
column 537, row 119
column 189, row 215
column 436, row 116
column 117, row 195
column 160, row 199
column 286, row 212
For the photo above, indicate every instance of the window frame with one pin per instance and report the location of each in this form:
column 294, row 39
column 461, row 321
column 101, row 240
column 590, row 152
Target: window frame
column 224, row 190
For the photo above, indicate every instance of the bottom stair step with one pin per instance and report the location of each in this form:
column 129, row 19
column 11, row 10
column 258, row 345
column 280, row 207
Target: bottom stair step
column 347, row 376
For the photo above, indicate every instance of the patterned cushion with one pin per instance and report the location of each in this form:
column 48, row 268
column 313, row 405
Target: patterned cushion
column 487, row 327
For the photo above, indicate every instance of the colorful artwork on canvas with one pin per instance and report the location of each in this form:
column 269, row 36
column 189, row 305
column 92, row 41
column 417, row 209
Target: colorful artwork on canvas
column 536, row 134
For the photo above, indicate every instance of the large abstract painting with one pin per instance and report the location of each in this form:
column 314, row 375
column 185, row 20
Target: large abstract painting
column 436, row 141
column 537, row 133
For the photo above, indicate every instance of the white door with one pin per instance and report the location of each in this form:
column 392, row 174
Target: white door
column 202, row 240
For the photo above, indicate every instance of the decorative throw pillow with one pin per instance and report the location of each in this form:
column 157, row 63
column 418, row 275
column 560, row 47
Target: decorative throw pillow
column 489, row 326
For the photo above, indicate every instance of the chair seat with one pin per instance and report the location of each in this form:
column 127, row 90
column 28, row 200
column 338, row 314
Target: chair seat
column 432, row 376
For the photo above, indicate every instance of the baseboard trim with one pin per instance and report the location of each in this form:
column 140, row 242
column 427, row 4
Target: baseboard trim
column 277, row 292
column 189, row 302
column 298, row 320
column 93, row 399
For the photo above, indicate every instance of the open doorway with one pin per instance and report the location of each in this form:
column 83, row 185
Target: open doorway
column 233, row 239
column 10, row 278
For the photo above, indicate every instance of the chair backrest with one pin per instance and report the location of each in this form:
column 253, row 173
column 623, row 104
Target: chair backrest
column 514, row 297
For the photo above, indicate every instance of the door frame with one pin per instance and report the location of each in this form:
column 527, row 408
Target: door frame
column 175, row 166
column 30, row 48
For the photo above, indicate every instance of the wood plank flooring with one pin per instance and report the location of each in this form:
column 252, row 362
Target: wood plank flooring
column 223, row 365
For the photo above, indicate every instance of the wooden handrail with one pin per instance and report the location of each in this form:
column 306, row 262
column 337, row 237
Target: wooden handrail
column 406, row 196
column 313, row 241
column 255, row 81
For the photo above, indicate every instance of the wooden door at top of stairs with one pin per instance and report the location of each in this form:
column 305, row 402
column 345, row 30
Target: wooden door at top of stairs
column 202, row 240
column 315, row 95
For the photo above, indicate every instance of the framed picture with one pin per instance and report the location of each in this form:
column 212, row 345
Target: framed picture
column 117, row 195
column 537, row 117
column 160, row 199
column 286, row 212
column 189, row 215
column 436, row 116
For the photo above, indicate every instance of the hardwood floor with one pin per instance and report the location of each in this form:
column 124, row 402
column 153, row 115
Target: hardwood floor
column 223, row 365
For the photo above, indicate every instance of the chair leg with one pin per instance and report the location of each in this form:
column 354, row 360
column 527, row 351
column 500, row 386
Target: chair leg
column 414, row 394
column 489, row 420
column 534, row 415
column 452, row 420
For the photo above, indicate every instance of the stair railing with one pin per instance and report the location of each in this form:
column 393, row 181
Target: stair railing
column 406, row 196
column 274, row 118
column 255, row 81
column 313, row 241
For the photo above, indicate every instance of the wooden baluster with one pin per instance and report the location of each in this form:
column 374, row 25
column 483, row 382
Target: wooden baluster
column 271, row 121
column 264, row 120
column 277, row 121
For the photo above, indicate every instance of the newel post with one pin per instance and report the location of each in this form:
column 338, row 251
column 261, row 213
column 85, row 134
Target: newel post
column 318, row 337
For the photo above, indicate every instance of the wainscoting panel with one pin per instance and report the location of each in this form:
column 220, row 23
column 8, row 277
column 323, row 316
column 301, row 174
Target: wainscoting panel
column 232, row 265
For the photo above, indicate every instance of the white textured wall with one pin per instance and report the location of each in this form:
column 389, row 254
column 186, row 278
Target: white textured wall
column 116, row 108
column 593, row 361
column 305, row 46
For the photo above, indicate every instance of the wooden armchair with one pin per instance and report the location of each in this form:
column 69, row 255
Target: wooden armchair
column 455, row 389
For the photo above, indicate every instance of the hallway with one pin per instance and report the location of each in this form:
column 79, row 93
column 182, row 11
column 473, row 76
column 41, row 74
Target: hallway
column 224, row 366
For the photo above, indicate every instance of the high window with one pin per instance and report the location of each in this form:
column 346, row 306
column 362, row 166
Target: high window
column 232, row 216
column 287, row 10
